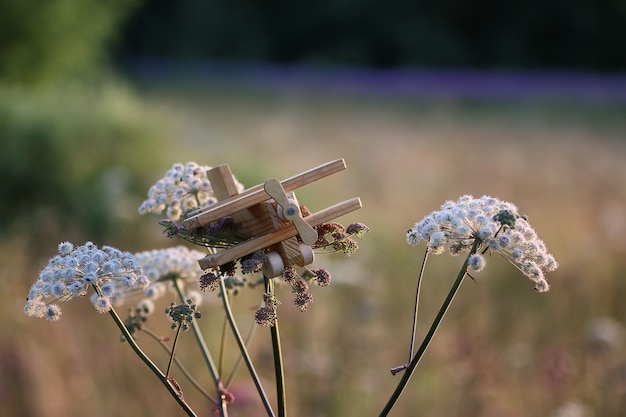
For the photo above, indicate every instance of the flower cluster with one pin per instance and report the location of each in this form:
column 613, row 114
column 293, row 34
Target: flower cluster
column 183, row 314
column 300, row 287
column 184, row 188
column 266, row 315
column 164, row 265
column 299, row 284
column 495, row 226
column 73, row 270
column 135, row 320
column 334, row 237
column 209, row 281
column 247, row 264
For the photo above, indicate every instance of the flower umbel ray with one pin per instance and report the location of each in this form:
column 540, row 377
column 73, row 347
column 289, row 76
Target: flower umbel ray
column 496, row 225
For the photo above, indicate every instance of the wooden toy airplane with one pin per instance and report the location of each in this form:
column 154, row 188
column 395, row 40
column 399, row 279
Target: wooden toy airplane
column 270, row 215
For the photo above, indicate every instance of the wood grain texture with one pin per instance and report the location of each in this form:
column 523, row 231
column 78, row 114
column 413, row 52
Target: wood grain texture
column 257, row 195
column 249, row 246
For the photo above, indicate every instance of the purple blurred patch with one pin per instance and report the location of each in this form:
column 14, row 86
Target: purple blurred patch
column 417, row 83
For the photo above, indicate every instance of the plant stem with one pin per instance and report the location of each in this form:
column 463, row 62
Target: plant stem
column 175, row 392
column 182, row 368
column 431, row 332
column 278, row 358
column 417, row 297
column 204, row 350
column 243, row 350
column 239, row 359
column 220, row 360
column 169, row 365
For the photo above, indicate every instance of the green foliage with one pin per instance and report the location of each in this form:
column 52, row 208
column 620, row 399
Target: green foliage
column 69, row 158
column 41, row 41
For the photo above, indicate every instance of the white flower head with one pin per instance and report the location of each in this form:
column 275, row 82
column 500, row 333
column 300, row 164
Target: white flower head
column 496, row 226
column 162, row 265
column 70, row 274
column 183, row 188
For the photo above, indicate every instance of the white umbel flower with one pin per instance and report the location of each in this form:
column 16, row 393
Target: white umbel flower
column 164, row 265
column 183, row 188
column 496, row 225
column 73, row 270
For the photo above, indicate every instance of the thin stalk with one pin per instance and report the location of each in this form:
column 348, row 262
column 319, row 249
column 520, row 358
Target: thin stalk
column 239, row 359
column 417, row 297
column 278, row 358
column 220, row 360
column 174, row 390
column 243, row 350
column 169, row 365
column 180, row 365
column 402, row 367
column 204, row 350
column 431, row 332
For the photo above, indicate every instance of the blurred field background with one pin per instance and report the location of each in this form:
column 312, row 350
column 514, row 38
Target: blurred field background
column 86, row 127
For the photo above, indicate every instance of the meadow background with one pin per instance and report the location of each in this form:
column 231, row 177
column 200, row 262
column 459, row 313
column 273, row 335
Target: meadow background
column 87, row 125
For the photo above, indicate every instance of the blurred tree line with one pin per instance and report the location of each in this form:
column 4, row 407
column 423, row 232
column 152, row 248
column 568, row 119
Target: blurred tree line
column 43, row 42
column 73, row 138
column 582, row 34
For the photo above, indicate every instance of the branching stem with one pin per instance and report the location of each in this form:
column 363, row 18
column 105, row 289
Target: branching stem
column 431, row 332
column 204, row 350
column 242, row 348
column 173, row 390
